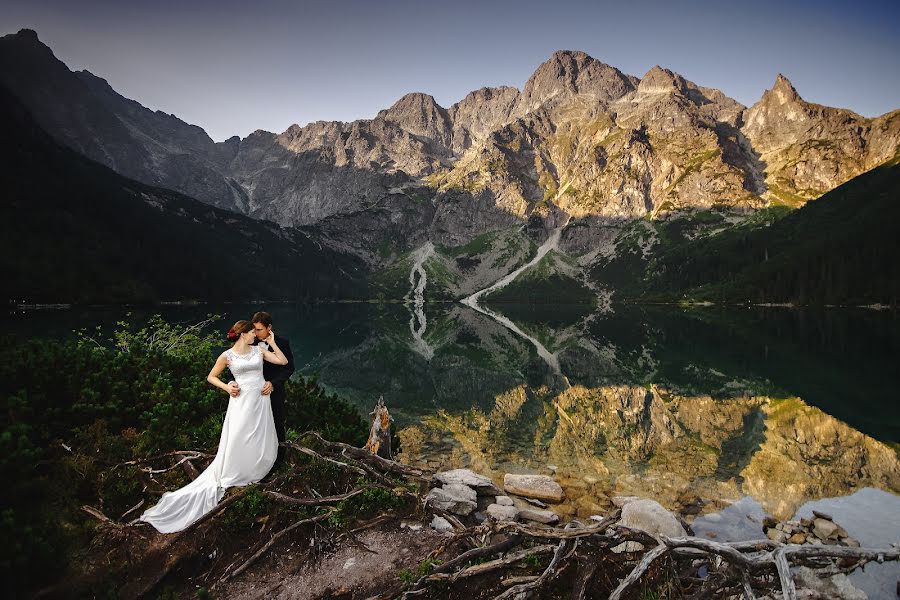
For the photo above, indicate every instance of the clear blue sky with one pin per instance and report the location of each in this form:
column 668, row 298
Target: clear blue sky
column 234, row 67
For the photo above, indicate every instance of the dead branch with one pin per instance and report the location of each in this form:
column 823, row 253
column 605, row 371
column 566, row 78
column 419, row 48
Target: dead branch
column 526, row 588
column 132, row 509
column 226, row 576
column 638, row 571
column 192, row 453
column 285, row 499
column 784, row 574
column 387, row 466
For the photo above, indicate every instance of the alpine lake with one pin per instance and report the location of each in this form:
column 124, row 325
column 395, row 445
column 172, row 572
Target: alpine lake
column 725, row 415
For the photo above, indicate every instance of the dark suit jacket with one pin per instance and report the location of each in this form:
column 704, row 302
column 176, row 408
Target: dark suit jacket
column 278, row 374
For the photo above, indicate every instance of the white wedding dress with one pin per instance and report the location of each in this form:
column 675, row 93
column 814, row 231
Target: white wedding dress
column 248, row 447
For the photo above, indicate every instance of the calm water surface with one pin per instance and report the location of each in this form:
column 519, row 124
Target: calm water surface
column 724, row 413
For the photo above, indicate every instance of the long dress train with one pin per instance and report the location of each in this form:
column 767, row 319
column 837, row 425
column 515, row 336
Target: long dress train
column 247, row 450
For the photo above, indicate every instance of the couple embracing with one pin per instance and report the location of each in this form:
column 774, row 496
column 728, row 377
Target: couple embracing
column 260, row 363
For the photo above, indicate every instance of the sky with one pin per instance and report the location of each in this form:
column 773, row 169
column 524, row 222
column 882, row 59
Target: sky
column 235, row 67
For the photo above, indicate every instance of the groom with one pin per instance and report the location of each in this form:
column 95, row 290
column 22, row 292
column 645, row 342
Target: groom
column 275, row 375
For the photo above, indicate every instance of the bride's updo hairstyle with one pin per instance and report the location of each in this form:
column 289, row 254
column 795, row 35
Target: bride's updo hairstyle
column 240, row 327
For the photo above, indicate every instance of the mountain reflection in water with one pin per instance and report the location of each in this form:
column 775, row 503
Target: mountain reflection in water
column 695, row 408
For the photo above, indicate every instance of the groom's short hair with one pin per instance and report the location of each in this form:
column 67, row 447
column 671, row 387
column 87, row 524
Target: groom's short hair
column 262, row 317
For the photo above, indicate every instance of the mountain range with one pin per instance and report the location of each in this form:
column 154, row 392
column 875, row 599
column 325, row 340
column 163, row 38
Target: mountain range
column 582, row 147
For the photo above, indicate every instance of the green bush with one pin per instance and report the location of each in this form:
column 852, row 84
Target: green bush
column 73, row 411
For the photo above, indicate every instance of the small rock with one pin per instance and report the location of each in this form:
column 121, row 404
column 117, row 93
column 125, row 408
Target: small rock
column 769, row 522
column 502, row 513
column 547, row 517
column 441, row 524
column 824, row 528
column 349, row 563
column 504, row 501
column 822, row 515
column 776, row 535
column 621, row 501
column 851, row 542
column 483, row 485
column 591, row 479
column 806, row 522
column 841, row 532
column 411, row 525
column 534, row 502
column 797, row 538
column 541, row 487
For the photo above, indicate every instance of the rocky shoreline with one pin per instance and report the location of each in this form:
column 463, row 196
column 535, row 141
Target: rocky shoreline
column 462, row 497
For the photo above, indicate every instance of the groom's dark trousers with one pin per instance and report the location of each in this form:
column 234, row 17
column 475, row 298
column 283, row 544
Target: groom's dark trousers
column 278, row 375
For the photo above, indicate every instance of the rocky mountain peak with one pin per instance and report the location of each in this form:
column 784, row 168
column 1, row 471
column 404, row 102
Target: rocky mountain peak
column 568, row 73
column 420, row 115
column 662, row 81
column 782, row 92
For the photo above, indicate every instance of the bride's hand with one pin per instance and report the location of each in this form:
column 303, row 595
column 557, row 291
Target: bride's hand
column 271, row 337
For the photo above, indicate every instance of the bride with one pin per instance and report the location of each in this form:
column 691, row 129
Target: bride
column 248, row 445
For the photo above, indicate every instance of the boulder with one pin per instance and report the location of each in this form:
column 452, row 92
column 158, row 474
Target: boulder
column 446, row 500
column 504, row 501
column 463, row 491
column 499, row 512
column 547, row 517
column 481, row 484
column 620, row 501
column 651, row 517
column 541, row 487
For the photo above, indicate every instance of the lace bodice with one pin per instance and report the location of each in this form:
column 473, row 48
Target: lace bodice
column 247, row 367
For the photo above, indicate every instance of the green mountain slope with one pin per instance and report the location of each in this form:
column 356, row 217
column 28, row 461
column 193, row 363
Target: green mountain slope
column 80, row 233
column 839, row 249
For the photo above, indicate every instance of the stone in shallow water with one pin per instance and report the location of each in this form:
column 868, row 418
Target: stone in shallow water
column 541, row 487
column 651, row 517
column 482, row 484
column 824, row 528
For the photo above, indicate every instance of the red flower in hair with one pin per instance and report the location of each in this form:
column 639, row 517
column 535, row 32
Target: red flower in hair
column 232, row 334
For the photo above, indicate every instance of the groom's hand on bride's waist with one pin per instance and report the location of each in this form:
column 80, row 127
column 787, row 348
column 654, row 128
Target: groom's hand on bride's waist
column 267, row 389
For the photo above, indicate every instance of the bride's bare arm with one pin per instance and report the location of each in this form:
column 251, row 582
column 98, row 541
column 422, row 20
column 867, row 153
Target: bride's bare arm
column 279, row 358
column 213, row 377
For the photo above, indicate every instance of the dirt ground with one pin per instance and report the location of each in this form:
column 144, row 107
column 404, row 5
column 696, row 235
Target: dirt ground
column 353, row 570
